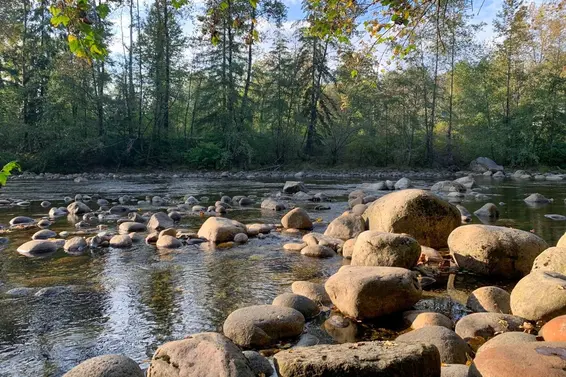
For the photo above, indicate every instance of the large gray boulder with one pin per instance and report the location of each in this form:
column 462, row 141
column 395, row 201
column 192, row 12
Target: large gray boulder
column 385, row 249
column 541, row 295
column 490, row 299
column 345, row 227
column 421, row 214
column 483, row 164
column 263, row 325
column 273, row 205
column 78, row 208
column 495, row 251
column 370, row 292
column 220, row 229
column 367, row 359
column 305, row 305
column 487, row 325
column 200, row 355
column 448, row 187
column 452, row 348
column 106, row 366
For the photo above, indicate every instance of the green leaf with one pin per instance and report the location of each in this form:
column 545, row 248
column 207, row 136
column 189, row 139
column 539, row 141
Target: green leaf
column 60, row 19
column 103, row 10
column 223, row 5
column 253, row 3
column 7, row 171
column 354, row 73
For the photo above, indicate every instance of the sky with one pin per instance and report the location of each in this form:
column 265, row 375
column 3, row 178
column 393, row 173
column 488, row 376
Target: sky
column 483, row 13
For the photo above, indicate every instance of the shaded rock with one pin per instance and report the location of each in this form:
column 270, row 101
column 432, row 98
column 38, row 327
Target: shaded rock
column 454, row 370
column 552, row 259
column 495, row 251
column 21, row 220
column 53, row 291
column 348, row 248
column 448, row 186
column 418, row 213
column 37, row 247
column 78, row 208
column 360, row 360
column 487, row 325
column 75, row 245
column 297, row 218
column 160, row 221
column 541, row 295
column 490, row 299
column 468, row 182
column 273, row 205
column 489, row 210
column 359, row 209
column 417, row 319
column 370, row 292
column 313, row 291
column 219, row 229
column 537, row 199
column 119, row 210
column 241, row 238
column 307, row 340
column 200, row 355
column 130, row 226
column 508, row 338
column 533, row 359
column 345, row 227
column 246, row 202
column 57, row 212
column 263, row 325
column 259, row 364
column 318, row 251
column 464, row 213
column 106, row 366
column 175, row 216
column 44, row 234
column 121, row 241
column 452, row 348
column 403, row 184
column 483, row 164
column 292, row 187
column 305, row 305
column 499, row 174
column 430, row 255
column 385, row 249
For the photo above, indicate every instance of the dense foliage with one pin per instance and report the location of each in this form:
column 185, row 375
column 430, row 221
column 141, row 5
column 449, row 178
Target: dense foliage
column 259, row 97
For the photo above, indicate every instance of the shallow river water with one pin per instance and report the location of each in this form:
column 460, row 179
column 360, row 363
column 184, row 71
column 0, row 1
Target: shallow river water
column 131, row 301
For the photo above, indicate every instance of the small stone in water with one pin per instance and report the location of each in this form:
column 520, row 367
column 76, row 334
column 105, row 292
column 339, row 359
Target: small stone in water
column 45, row 204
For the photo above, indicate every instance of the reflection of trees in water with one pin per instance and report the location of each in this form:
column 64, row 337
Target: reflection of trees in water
column 161, row 301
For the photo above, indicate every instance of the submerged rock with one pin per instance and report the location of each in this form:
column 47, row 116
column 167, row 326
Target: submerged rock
column 21, row 220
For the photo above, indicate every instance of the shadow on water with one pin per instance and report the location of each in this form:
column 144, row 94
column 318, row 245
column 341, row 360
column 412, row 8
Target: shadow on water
column 131, row 301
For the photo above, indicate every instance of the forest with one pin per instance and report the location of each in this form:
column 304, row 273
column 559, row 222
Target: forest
column 208, row 86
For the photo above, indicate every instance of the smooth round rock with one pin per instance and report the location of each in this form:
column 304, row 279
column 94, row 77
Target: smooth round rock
column 37, row 247
column 131, row 226
column 490, row 299
column 507, row 338
column 21, row 220
column 494, row 250
column 419, row 213
column 554, row 330
column 241, row 238
column 305, row 305
column 533, row 359
column 200, row 355
column 318, row 251
column 541, row 295
column 552, row 259
column 371, row 292
column 454, row 370
column 219, row 229
column 487, row 325
column 122, row 241
column 294, row 246
column 106, row 366
column 263, row 325
column 168, row 242
column 348, row 248
column 385, row 249
column 75, row 245
column 345, row 227
column 417, row 319
column 313, row 291
column 44, row 235
column 297, row 218
column 452, row 348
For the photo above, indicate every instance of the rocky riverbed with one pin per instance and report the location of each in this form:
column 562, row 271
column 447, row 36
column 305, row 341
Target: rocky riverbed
column 177, row 273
